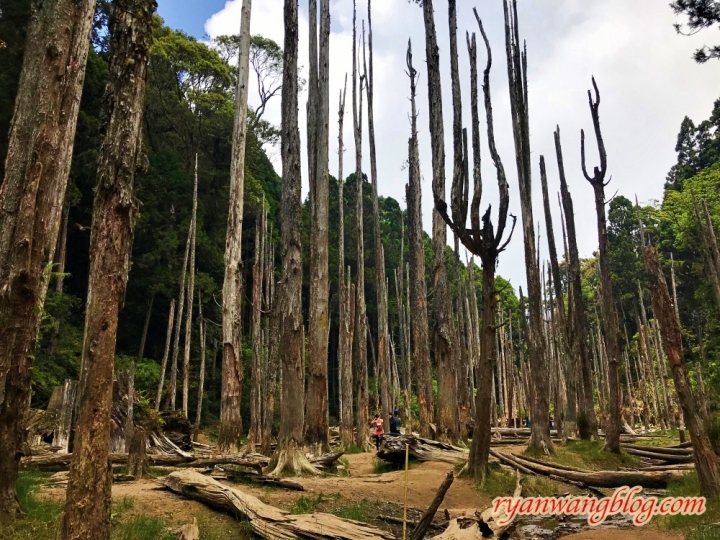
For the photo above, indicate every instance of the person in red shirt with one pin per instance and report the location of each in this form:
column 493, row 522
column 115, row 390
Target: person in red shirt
column 377, row 423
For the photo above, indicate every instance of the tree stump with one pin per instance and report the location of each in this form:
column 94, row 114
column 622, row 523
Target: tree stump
column 137, row 459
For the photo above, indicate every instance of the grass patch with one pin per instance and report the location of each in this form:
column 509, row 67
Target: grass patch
column 142, row 527
column 41, row 519
column 361, row 511
column 498, row 482
column 695, row 527
column 538, row 486
column 354, row 449
column 381, row 466
column 308, row 505
column 588, row 455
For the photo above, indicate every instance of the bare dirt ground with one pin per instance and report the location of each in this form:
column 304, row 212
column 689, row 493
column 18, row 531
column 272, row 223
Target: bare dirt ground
column 362, row 484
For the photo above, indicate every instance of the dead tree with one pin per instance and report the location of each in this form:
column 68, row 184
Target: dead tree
column 706, row 461
column 146, row 324
column 201, row 377
column 288, row 454
column 417, row 283
column 316, row 427
column 484, row 241
column 178, row 323
column 190, row 298
column 229, row 438
column 360, row 366
column 87, row 512
column 607, row 305
column 37, row 165
column 255, row 431
column 577, row 316
column 163, row 364
column 517, row 77
column 382, row 307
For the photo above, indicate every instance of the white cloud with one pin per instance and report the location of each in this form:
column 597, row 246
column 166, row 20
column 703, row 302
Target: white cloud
column 647, row 79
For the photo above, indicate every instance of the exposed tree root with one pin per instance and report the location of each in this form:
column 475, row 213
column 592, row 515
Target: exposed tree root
column 290, row 460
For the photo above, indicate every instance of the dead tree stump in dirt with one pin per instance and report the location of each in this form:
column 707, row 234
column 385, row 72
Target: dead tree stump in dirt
column 137, row 459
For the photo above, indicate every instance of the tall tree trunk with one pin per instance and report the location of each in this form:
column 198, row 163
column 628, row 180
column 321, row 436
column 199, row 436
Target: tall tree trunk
column 255, row 432
column 190, row 298
column 178, row 322
column 706, row 461
column 712, row 255
column 37, row 165
column 60, row 256
column 288, row 455
column 517, row 75
column 360, row 365
column 577, row 316
column 644, row 329
column 146, row 324
column 87, row 509
column 163, row 365
column 201, row 376
column 382, row 307
column 316, row 428
column 229, row 439
column 418, row 286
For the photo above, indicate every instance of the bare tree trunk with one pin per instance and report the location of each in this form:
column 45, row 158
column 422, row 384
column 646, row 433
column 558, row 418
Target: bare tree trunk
column 701, row 395
column 178, row 322
column 229, row 439
column 255, row 432
column 712, row 255
column 417, row 284
column 607, row 304
column 37, row 166
column 201, row 376
column 168, row 337
column 288, row 455
column 87, row 510
column 316, row 427
column 60, row 256
column 191, row 298
column 517, row 75
column 657, row 408
column 577, row 316
column 346, row 428
column 360, row 365
column 706, row 461
column 143, row 337
column 273, row 369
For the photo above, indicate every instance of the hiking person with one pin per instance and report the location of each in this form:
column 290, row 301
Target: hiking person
column 395, row 423
column 377, row 423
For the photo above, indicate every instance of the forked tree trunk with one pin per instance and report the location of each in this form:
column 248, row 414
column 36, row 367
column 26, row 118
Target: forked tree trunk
column 178, row 323
column 418, row 286
column 288, row 454
column 316, row 427
column 229, row 439
column 190, row 299
column 360, row 365
column 87, row 510
column 706, row 461
column 577, row 316
column 517, row 75
column 37, row 165
column 163, row 365
column 382, row 307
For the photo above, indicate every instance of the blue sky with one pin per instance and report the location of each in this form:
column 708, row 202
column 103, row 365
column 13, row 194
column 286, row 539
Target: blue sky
column 189, row 15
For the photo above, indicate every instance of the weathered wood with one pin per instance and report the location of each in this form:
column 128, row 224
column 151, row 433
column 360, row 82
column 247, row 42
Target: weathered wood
column 267, row 521
column 257, row 478
column 190, row 298
column 660, row 449
column 189, row 531
column 427, row 518
column 170, row 405
column 393, row 449
column 137, row 459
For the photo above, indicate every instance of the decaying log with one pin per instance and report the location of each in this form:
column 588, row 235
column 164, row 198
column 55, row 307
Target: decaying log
column 660, row 449
column 427, row 518
column 259, row 479
column 660, row 456
column 393, row 449
column 267, row 521
column 326, row 460
column 608, row 479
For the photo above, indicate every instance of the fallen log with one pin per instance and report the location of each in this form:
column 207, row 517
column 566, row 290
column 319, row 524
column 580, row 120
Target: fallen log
column 392, row 449
column 427, row 518
column 326, row 460
column 267, row 521
column 660, row 449
column 257, row 478
column 504, row 458
column 660, row 456
column 687, row 444
column 607, row 479
column 671, row 467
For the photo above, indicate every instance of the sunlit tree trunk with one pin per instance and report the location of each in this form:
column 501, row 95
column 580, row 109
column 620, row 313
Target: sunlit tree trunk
column 191, row 298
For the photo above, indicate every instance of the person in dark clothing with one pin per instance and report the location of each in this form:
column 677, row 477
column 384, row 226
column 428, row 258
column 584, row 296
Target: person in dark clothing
column 395, row 423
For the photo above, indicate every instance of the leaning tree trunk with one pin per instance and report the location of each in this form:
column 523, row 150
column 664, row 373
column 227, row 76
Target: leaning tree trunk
column 316, row 426
column 60, row 259
column 288, row 454
column 418, row 285
column 229, row 439
column 360, row 337
column 382, row 304
column 190, row 299
column 163, row 364
column 607, row 304
column 577, row 316
column 706, row 461
column 37, row 165
column 87, row 509
column 146, row 324
column 517, row 75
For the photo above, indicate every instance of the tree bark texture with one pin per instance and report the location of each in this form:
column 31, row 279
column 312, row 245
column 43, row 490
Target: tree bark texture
column 37, row 165
column 230, row 435
column 418, row 286
column 87, row 511
column 316, row 427
column 255, row 432
column 201, row 377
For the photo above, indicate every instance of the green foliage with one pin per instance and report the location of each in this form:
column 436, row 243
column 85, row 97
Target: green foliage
column 590, row 455
column 689, row 486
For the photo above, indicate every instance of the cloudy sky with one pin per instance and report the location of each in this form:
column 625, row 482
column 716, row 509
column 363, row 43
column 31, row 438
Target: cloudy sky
column 647, row 79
